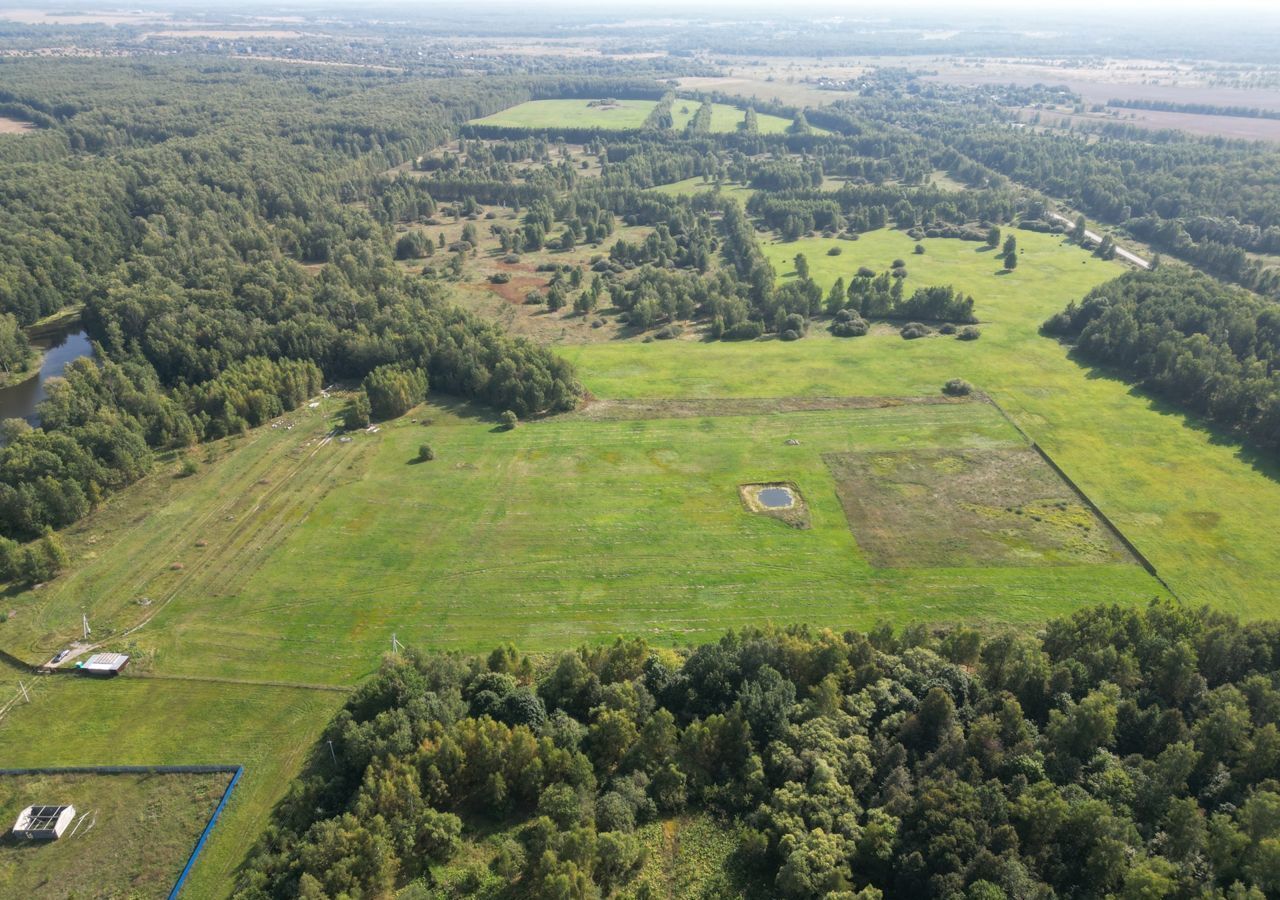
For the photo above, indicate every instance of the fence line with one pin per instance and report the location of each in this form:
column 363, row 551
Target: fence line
column 1088, row 502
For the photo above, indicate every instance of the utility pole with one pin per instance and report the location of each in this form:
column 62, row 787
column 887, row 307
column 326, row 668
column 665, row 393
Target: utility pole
column 332, row 755
column 22, row 687
column 396, row 646
column 84, row 618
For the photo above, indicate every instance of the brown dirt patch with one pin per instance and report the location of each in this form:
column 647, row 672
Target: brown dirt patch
column 15, row 126
column 927, row 508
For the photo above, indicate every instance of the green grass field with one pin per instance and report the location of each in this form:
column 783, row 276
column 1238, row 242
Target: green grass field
column 568, row 529
column 696, row 185
column 625, row 115
column 131, row 836
column 1199, row 507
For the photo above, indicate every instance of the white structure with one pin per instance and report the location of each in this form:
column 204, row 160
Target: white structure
column 104, row 664
column 43, row 823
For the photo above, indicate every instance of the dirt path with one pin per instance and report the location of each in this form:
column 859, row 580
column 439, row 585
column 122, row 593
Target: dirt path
column 1120, row 251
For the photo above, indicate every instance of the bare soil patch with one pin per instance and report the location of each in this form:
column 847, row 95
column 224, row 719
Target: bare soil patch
column 15, row 126
column 934, row 508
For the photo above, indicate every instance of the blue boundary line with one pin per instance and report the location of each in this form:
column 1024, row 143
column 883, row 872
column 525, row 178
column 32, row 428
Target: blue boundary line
column 204, row 835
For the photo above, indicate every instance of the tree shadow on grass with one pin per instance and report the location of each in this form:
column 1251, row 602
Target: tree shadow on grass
column 1261, row 461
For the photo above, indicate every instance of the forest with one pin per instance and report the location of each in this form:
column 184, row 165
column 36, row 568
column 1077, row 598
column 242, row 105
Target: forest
column 1122, row 753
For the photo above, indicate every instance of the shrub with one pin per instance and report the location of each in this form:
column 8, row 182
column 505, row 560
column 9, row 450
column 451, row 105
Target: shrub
column 957, row 387
column 855, row 327
column 947, row 329
column 499, row 278
column 188, row 468
column 790, row 335
column 919, row 249
column 835, row 251
column 667, row 332
column 508, row 419
column 795, row 322
column 969, row 333
column 913, row 330
column 744, row 331
column 866, row 272
column 898, row 264
column 413, row 245
column 425, row 453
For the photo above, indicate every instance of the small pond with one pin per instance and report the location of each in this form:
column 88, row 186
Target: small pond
column 18, row 401
column 776, row 497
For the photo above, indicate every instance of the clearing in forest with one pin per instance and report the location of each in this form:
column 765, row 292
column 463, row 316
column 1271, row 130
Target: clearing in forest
column 621, row 115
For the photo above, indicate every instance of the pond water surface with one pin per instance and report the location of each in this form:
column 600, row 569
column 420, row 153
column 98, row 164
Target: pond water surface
column 19, row 401
column 776, row 497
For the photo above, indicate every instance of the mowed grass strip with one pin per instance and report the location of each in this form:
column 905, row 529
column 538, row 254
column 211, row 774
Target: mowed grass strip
column 131, row 835
column 1203, row 511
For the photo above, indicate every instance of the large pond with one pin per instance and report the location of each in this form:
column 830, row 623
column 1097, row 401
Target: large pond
column 18, row 401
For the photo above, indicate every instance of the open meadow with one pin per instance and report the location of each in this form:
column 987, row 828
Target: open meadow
column 1197, row 505
column 578, row 527
column 621, row 115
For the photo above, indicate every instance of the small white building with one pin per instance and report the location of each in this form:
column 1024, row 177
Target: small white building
column 43, row 823
column 104, row 664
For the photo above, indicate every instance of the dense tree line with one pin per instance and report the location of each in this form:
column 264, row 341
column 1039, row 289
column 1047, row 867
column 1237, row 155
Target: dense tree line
column 1119, row 753
column 1210, row 348
column 1199, row 109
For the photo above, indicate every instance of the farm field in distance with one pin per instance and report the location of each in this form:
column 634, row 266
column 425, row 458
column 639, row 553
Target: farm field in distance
column 131, row 831
column 622, row 115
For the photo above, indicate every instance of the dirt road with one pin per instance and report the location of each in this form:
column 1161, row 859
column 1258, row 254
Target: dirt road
column 1097, row 238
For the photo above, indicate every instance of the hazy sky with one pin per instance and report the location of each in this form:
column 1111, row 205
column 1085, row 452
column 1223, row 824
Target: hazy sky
column 856, row 8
